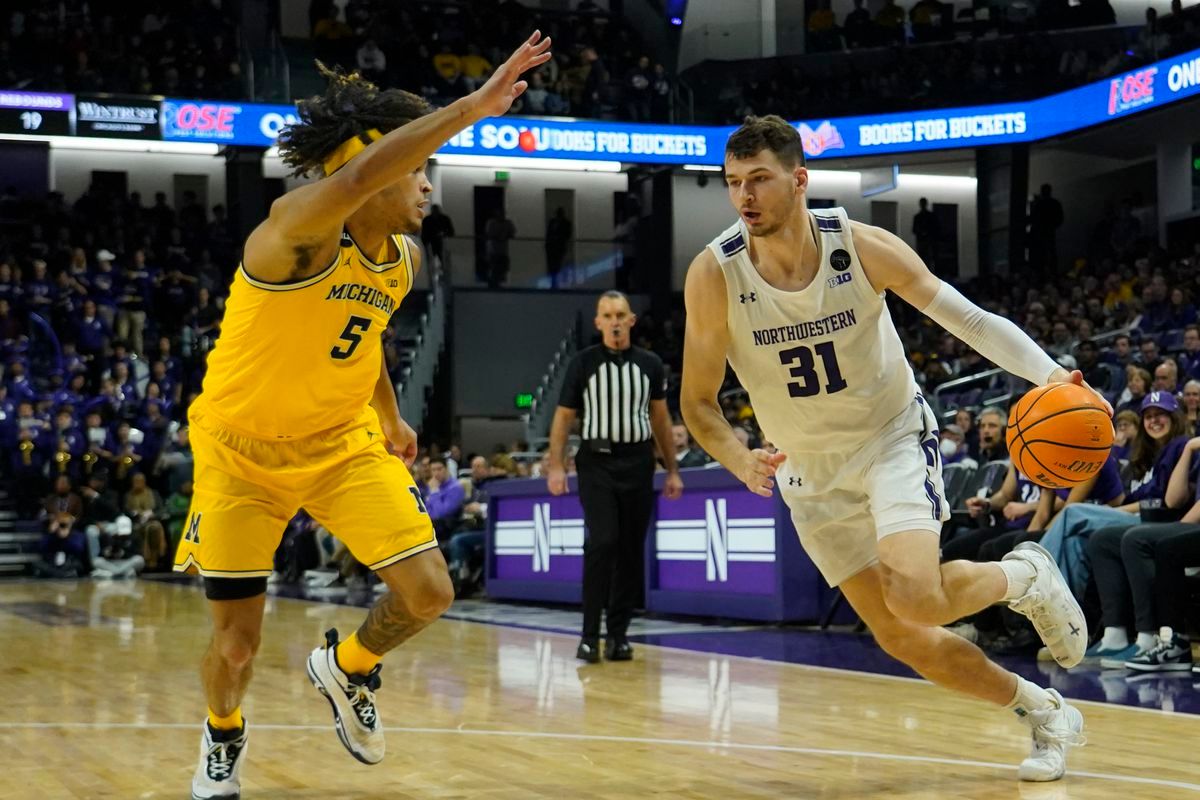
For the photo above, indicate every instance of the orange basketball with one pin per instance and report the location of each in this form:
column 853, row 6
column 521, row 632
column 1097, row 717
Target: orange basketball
column 1059, row 435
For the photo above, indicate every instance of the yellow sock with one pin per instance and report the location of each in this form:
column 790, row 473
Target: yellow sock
column 231, row 723
column 353, row 658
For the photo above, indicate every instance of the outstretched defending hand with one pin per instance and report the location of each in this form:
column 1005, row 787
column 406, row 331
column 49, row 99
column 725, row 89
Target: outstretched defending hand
column 758, row 470
column 1061, row 375
column 496, row 96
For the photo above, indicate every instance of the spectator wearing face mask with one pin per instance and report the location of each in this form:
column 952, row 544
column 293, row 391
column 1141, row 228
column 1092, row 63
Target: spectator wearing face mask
column 953, row 447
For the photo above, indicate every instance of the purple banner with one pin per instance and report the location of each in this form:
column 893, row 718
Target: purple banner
column 719, row 542
column 36, row 101
column 538, row 538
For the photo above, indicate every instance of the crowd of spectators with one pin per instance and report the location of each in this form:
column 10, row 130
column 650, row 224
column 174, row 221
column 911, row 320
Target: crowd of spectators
column 934, row 21
column 893, row 75
column 601, row 69
column 184, row 48
column 108, row 308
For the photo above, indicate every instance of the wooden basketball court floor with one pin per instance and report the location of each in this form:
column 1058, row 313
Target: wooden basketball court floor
column 101, row 700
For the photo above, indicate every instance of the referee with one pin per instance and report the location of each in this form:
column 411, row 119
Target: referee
column 621, row 390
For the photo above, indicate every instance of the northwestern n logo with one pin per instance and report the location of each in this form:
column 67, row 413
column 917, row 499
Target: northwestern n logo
column 716, row 530
column 541, row 537
column 192, row 534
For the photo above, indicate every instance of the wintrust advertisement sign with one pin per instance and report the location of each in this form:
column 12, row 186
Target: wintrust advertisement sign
column 117, row 116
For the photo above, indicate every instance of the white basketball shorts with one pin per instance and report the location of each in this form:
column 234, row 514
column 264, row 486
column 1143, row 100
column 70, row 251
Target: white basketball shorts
column 842, row 503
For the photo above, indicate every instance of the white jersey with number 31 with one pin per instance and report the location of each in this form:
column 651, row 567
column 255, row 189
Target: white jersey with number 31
column 824, row 366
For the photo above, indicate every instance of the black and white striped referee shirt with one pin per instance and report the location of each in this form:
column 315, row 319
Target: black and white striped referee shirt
column 612, row 390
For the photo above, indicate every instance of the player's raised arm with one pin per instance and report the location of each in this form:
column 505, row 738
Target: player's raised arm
column 891, row 264
column 309, row 219
column 705, row 345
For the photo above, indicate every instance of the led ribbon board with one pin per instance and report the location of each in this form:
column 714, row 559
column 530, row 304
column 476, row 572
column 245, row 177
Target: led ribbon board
column 904, row 132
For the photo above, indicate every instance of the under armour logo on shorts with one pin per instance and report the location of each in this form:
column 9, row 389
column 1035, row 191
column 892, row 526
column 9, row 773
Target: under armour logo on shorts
column 795, row 482
column 752, row 297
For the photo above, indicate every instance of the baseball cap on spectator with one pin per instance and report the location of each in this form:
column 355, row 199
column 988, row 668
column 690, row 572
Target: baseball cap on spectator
column 105, row 255
column 124, row 525
column 1164, row 400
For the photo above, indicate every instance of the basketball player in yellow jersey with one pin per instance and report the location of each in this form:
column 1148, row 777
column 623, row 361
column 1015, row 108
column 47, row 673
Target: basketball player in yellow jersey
column 298, row 410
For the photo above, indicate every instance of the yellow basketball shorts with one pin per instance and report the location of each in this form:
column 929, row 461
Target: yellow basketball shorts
column 246, row 489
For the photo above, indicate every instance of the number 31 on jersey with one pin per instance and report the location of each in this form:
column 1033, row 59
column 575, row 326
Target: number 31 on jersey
column 805, row 369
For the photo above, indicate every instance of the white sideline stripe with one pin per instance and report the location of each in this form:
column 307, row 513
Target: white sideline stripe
column 587, row 737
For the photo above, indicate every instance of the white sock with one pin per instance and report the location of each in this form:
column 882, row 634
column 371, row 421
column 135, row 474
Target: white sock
column 1020, row 576
column 1029, row 697
column 1146, row 640
column 1115, row 639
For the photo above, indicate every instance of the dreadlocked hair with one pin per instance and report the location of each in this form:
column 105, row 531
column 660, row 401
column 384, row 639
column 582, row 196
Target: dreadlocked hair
column 350, row 106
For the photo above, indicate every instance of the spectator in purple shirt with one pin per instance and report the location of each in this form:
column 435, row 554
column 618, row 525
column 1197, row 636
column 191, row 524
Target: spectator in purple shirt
column 128, row 453
column 168, row 386
column 38, row 291
column 72, row 394
column 9, row 289
column 72, row 363
column 173, row 365
column 445, row 498
column 19, row 387
column 67, row 430
column 1189, row 359
column 91, row 334
column 1180, row 310
column 1123, row 563
column 103, row 288
column 124, row 382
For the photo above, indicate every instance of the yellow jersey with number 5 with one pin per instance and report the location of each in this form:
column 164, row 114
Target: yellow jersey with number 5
column 298, row 358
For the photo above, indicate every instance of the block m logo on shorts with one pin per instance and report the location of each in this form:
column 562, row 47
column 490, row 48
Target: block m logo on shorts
column 716, row 530
column 541, row 537
column 192, row 534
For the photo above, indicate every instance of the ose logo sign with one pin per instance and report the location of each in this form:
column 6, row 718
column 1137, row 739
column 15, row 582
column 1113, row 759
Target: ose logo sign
column 199, row 120
column 1132, row 90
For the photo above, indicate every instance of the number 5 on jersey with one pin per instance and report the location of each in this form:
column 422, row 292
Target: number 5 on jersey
column 355, row 328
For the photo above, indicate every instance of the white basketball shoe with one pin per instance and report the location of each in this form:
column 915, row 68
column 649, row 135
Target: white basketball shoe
column 1054, row 730
column 221, row 754
column 1050, row 606
column 352, row 697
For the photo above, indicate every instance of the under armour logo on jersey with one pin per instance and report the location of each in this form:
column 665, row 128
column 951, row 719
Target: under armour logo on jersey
column 751, row 298
column 795, row 482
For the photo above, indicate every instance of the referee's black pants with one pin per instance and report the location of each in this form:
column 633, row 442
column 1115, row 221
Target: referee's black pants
column 617, row 494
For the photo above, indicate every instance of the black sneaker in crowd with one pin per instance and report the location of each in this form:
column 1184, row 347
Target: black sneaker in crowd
column 588, row 650
column 1171, row 653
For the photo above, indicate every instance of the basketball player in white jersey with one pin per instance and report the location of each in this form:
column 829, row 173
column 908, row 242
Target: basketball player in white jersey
column 794, row 299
